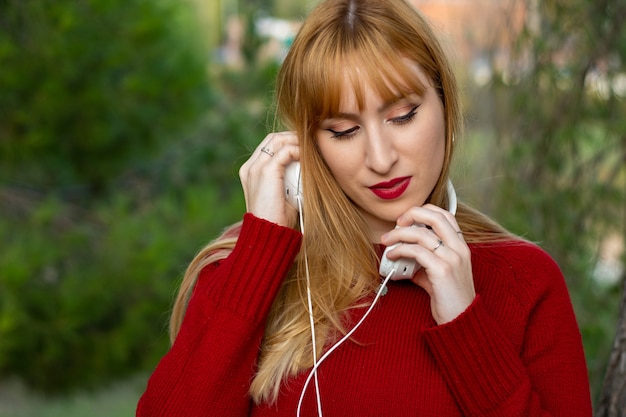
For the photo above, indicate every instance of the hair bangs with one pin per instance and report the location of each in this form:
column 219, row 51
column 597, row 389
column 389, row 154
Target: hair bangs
column 358, row 64
column 395, row 79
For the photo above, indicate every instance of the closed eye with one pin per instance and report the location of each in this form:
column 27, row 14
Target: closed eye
column 406, row 118
column 345, row 134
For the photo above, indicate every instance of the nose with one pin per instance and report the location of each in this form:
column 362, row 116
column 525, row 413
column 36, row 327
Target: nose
column 380, row 152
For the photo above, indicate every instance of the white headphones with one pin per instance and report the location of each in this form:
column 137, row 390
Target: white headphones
column 293, row 194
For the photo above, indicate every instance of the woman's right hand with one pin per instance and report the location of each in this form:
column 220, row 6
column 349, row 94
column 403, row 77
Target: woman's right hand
column 262, row 178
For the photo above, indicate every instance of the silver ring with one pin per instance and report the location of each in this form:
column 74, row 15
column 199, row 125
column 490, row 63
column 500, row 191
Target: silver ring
column 440, row 243
column 267, row 151
column 459, row 232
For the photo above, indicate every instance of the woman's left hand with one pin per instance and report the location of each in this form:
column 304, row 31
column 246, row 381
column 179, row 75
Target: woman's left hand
column 437, row 244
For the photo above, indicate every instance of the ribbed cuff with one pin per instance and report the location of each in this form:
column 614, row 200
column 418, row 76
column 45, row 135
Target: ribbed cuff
column 479, row 363
column 248, row 280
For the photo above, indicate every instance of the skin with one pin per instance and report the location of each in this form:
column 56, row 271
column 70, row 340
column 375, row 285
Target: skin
column 262, row 178
column 404, row 138
column 383, row 141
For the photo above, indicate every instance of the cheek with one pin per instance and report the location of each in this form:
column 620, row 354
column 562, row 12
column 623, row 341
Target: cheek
column 432, row 140
column 426, row 147
column 335, row 162
column 340, row 162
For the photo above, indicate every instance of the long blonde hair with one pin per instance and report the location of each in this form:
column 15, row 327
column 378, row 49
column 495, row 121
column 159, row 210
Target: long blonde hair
column 378, row 38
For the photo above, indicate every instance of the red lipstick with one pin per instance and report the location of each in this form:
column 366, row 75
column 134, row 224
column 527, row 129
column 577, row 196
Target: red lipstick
column 389, row 190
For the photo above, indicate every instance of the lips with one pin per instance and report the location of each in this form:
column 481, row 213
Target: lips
column 389, row 190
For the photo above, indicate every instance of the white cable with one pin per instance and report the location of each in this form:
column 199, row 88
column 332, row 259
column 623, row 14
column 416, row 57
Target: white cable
column 311, row 319
column 316, row 364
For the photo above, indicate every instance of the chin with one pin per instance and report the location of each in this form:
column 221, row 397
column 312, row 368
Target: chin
column 389, row 215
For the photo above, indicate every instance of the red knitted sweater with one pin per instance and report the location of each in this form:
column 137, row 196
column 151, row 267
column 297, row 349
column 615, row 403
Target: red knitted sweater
column 516, row 351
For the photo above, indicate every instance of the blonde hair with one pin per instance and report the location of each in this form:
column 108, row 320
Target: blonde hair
column 380, row 38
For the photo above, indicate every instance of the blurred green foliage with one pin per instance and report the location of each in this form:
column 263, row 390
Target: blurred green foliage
column 85, row 295
column 560, row 140
column 119, row 154
column 93, row 85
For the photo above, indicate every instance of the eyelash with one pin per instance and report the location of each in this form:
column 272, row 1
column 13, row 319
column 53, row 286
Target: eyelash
column 406, row 118
column 400, row 120
column 345, row 134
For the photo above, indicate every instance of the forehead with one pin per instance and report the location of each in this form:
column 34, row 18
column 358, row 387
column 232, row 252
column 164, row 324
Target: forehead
column 350, row 83
column 356, row 89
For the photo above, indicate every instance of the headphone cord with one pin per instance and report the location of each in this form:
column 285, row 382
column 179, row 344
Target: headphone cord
column 317, row 363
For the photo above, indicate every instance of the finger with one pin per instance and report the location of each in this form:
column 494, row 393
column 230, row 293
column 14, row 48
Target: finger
column 425, row 249
column 429, row 245
column 416, row 234
column 428, row 215
column 270, row 144
column 262, row 177
column 275, row 141
column 267, row 149
column 440, row 221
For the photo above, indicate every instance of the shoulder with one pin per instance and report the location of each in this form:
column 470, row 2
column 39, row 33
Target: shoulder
column 518, row 280
column 520, row 266
column 516, row 254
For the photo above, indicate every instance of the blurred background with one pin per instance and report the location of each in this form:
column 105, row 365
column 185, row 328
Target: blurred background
column 123, row 124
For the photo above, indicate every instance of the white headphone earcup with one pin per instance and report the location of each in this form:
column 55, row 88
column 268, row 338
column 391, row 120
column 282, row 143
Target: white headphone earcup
column 293, row 184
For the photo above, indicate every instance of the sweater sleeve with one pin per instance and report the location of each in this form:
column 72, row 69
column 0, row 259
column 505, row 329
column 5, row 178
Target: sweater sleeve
column 544, row 375
column 209, row 367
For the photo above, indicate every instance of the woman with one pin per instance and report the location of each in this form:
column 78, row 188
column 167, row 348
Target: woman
column 484, row 327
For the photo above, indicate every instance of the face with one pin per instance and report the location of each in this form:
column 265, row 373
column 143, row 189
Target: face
column 387, row 156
